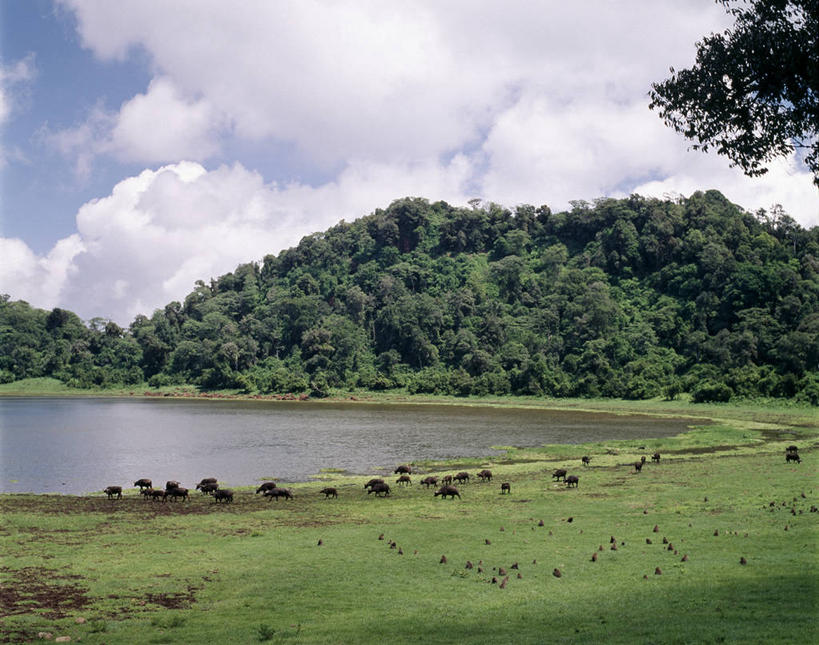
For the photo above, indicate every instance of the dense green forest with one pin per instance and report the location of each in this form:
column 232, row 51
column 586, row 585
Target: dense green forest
column 632, row 298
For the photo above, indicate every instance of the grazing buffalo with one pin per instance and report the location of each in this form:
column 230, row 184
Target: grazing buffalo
column 403, row 470
column 558, row 474
column 266, row 486
column 223, row 495
column 505, row 488
column 792, row 456
column 209, row 488
column 278, row 492
column 173, row 493
column 638, row 466
column 585, row 459
column 485, row 475
column 792, row 449
column 113, row 491
column 373, row 482
column 205, row 482
column 429, row 481
column 655, row 457
column 329, row 492
column 572, row 480
column 451, row 491
column 381, row 489
column 462, row 477
column 172, row 484
column 404, row 480
column 143, row 483
column 447, row 479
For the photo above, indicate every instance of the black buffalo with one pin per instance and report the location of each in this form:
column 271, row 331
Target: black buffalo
column 450, row 491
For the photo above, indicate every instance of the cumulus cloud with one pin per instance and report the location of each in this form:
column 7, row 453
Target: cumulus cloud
column 157, row 233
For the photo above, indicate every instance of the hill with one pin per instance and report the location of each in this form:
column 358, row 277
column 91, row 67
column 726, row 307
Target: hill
column 629, row 298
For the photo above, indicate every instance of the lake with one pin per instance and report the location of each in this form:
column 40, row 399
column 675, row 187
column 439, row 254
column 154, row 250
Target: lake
column 79, row 445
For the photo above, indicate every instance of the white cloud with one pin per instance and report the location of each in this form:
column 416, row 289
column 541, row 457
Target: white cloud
column 148, row 242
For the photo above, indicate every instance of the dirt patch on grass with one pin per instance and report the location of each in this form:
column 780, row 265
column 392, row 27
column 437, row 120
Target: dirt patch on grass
column 180, row 600
column 40, row 590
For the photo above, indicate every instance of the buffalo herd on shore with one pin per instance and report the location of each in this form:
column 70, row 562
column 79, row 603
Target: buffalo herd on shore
column 377, row 486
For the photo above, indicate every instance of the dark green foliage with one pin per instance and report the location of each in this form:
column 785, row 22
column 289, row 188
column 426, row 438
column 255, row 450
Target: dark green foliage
column 634, row 298
column 752, row 93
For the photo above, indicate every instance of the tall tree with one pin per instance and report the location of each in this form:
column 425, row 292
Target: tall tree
column 753, row 93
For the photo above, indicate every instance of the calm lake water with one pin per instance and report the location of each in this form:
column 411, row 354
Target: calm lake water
column 71, row 445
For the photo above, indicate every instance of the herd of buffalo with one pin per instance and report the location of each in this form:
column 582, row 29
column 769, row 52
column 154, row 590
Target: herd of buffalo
column 210, row 485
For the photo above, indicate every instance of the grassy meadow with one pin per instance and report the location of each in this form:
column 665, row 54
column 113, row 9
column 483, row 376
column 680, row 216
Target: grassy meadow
column 315, row 570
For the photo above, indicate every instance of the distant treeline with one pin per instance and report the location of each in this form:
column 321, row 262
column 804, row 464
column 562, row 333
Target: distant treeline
column 632, row 298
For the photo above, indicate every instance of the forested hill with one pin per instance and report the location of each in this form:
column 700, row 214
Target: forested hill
column 626, row 298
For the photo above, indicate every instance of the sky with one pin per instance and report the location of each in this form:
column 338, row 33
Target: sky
column 149, row 144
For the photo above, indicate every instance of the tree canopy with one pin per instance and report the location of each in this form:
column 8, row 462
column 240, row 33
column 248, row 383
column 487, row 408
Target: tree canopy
column 753, row 92
column 631, row 298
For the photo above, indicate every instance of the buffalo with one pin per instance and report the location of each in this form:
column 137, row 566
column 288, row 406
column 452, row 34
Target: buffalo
column 173, row 493
column 429, row 481
column 380, row 488
column 205, row 482
column 278, row 492
column 792, row 456
column 143, row 483
column 447, row 479
column 155, row 493
column 485, row 475
column 462, row 477
column 505, row 488
column 445, row 491
column 208, row 488
column 223, row 495
column 329, row 492
column 404, row 480
column 113, row 491
column 585, row 459
column 558, row 474
column 373, row 482
column 792, row 449
column 638, row 466
column 266, row 486
column 655, row 457
column 572, row 480
column 403, row 470
column 171, row 483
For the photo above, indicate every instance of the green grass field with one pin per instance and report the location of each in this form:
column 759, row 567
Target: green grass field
column 199, row 572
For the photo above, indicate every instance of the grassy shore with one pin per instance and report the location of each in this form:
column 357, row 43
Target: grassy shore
column 314, row 570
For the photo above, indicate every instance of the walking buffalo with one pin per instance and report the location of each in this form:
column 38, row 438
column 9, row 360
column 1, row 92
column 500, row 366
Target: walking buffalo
column 223, row 495
column 585, row 459
column 171, row 483
column 278, row 492
column 655, row 457
column 404, row 480
column 113, row 491
column 572, row 480
column 485, row 475
column 451, row 491
column 143, row 483
column 173, row 493
column 429, row 481
column 792, row 456
column 329, row 492
column 462, row 477
column 207, row 489
column 379, row 488
column 558, row 474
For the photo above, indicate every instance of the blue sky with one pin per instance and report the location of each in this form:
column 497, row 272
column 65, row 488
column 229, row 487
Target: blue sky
column 149, row 144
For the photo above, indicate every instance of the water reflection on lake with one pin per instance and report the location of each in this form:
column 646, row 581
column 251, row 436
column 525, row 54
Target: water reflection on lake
column 72, row 445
